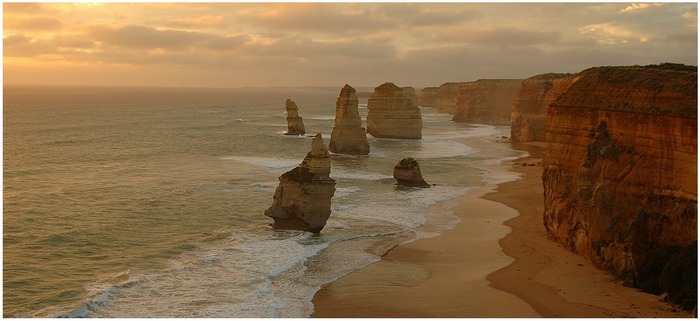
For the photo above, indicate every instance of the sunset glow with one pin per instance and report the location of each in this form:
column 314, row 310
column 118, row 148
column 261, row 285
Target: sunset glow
column 271, row 44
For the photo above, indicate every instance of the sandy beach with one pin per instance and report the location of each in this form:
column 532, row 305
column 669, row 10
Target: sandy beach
column 497, row 262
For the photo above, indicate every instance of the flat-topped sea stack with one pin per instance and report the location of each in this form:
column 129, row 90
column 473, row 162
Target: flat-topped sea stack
column 486, row 101
column 620, row 173
column 407, row 173
column 428, row 97
column 348, row 136
column 393, row 114
column 529, row 111
column 447, row 97
column 295, row 124
column 302, row 201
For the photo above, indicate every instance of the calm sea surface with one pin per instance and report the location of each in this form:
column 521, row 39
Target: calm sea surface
column 143, row 202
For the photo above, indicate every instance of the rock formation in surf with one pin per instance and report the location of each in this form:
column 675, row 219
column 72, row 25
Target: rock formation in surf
column 428, row 97
column 527, row 119
column 393, row 114
column 295, row 125
column 348, row 135
column 486, row 101
column 407, row 173
column 302, row 201
column 620, row 172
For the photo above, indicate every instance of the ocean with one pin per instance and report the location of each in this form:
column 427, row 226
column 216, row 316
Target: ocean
column 148, row 202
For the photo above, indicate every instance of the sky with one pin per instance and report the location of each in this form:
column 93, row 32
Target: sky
column 331, row 44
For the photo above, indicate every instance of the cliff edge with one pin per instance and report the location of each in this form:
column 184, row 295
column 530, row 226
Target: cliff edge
column 620, row 172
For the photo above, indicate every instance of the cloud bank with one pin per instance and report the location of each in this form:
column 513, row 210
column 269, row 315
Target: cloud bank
column 329, row 44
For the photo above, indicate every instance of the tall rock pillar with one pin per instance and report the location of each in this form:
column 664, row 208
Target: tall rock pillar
column 348, row 136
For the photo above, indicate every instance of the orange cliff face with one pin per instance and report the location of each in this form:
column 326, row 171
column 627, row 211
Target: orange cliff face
column 486, row 101
column 428, row 97
column 620, row 167
column 529, row 110
column 447, row 97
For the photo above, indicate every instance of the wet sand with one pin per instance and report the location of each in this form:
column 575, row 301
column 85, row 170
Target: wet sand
column 487, row 268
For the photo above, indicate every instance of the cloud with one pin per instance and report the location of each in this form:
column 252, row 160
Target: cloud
column 499, row 36
column 144, row 37
column 314, row 17
column 608, row 33
column 436, row 14
column 639, row 6
column 41, row 23
column 196, row 22
column 302, row 47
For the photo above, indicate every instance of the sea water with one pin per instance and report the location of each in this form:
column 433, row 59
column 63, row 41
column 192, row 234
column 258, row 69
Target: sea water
column 148, row 202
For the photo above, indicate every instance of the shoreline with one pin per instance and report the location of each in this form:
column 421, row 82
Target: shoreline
column 503, row 266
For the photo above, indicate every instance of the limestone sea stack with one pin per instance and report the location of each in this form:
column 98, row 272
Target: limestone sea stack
column 295, row 125
column 620, row 172
column 302, row 201
column 348, row 135
column 393, row 114
column 527, row 120
column 407, row 173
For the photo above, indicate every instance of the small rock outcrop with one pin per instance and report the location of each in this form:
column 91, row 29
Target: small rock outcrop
column 527, row 120
column 428, row 97
column 486, row 101
column 348, row 135
column 407, row 173
column 393, row 114
column 302, row 201
column 620, row 169
column 295, row 125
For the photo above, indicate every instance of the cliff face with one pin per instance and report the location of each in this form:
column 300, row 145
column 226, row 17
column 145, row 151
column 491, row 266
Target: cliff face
column 447, row 97
column 486, row 101
column 302, row 201
column 410, row 92
column 348, row 136
column 620, row 167
column 295, row 124
column 428, row 97
column 527, row 121
column 393, row 114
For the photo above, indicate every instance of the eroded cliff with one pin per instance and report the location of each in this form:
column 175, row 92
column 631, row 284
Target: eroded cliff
column 447, row 97
column 486, row 101
column 620, row 168
column 428, row 97
column 527, row 121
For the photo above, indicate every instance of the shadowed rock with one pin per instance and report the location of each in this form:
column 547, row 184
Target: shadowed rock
column 302, row 201
column 407, row 173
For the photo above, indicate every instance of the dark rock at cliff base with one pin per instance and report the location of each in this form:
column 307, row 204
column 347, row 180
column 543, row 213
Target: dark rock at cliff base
column 295, row 124
column 302, row 201
column 407, row 173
